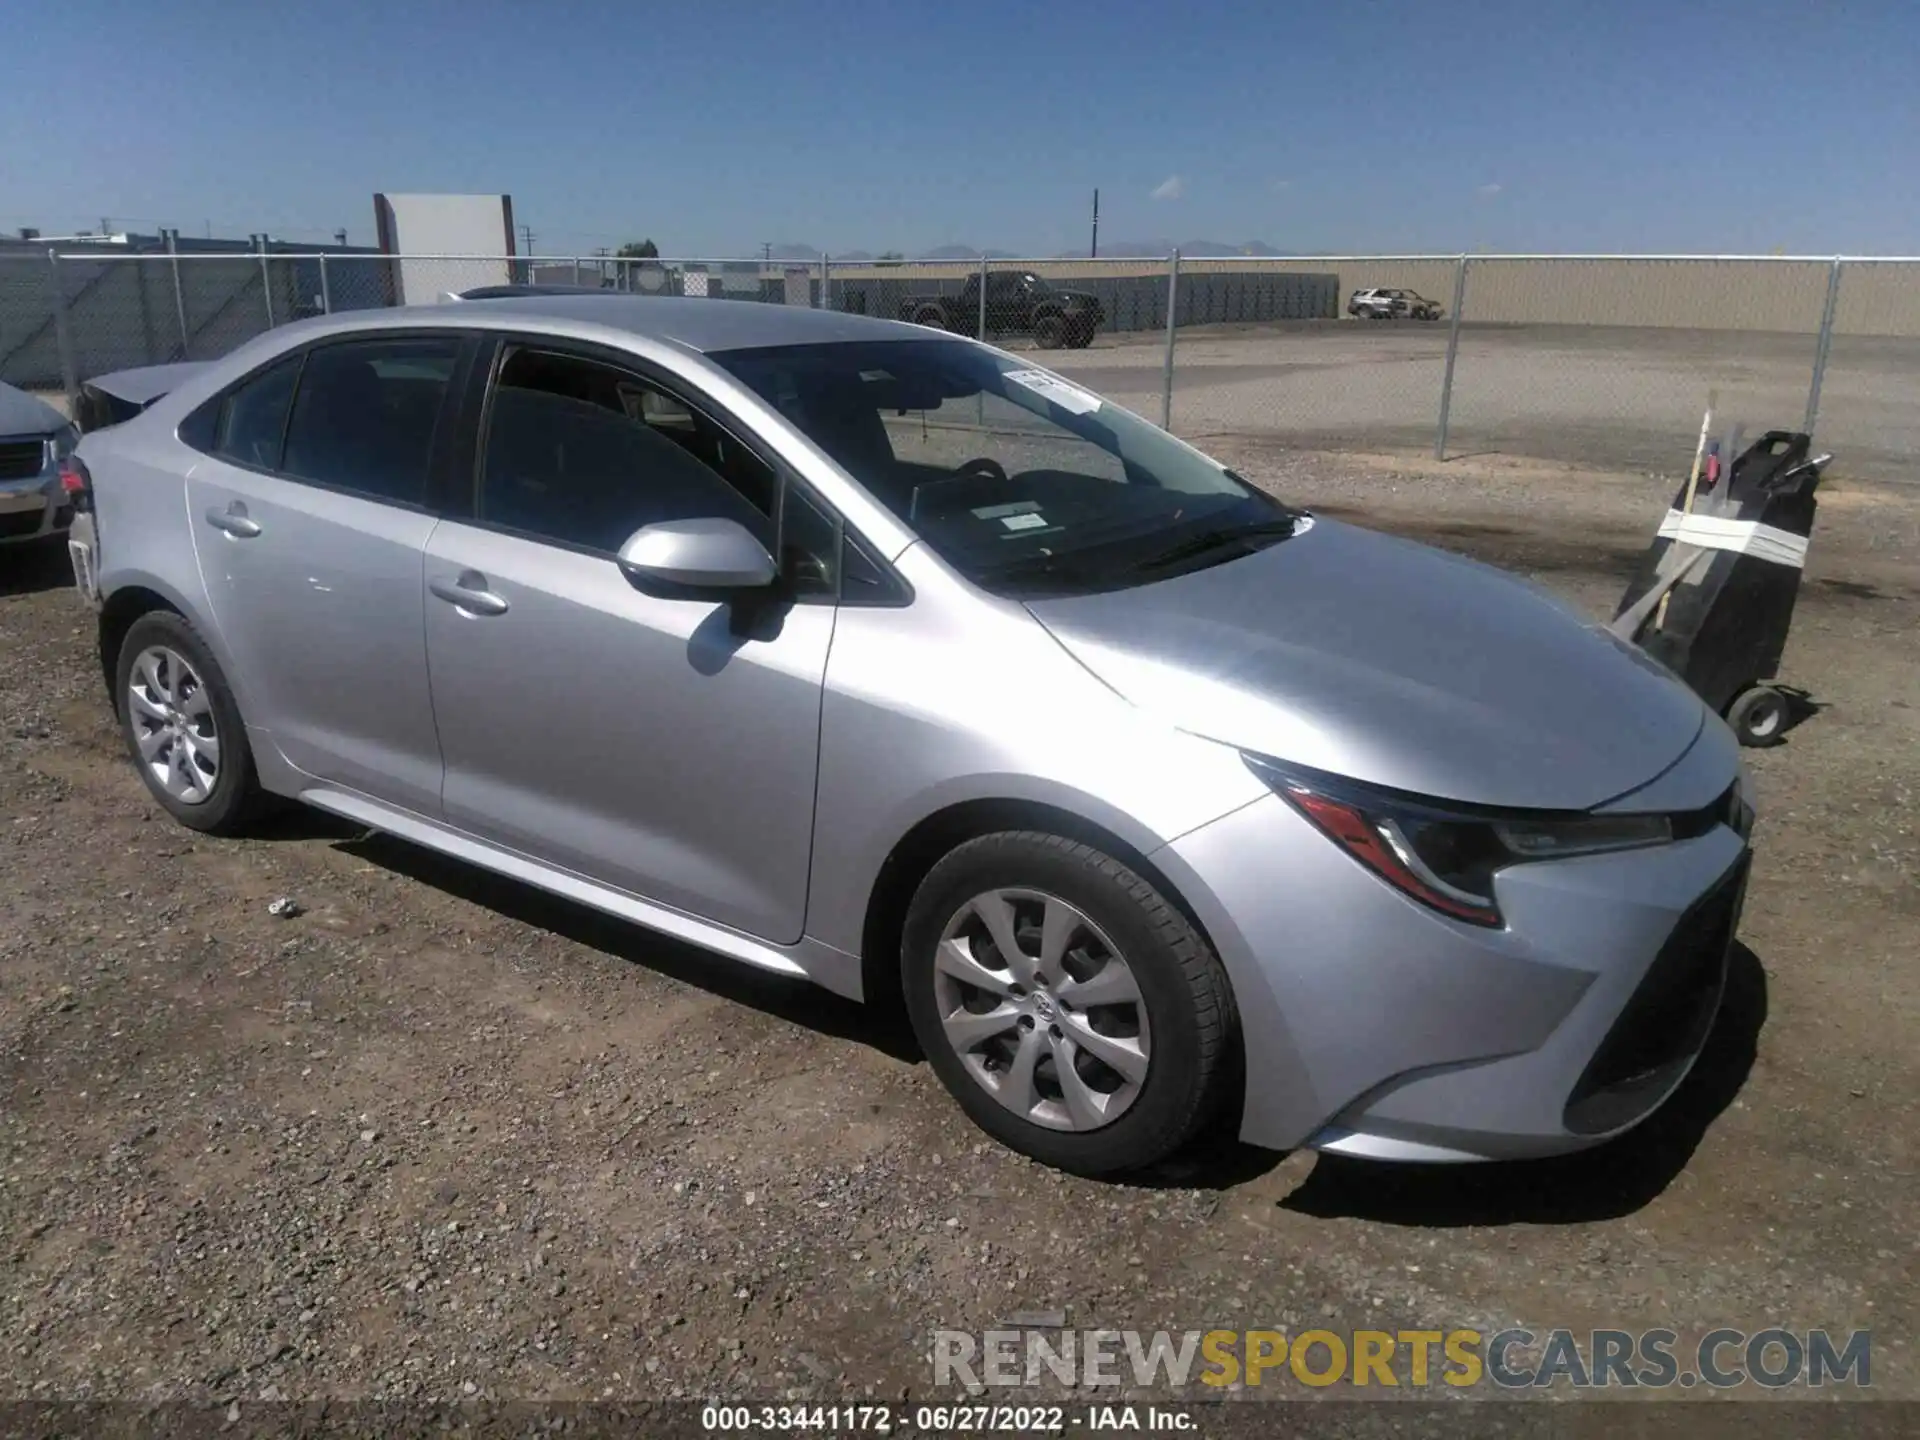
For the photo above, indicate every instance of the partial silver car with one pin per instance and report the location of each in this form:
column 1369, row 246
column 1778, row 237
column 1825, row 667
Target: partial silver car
column 865, row 653
column 34, row 439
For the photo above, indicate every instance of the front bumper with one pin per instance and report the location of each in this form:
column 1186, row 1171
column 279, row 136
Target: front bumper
column 1376, row 1027
column 34, row 508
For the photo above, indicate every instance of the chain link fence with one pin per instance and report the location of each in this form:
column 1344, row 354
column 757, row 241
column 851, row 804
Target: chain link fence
column 1599, row 361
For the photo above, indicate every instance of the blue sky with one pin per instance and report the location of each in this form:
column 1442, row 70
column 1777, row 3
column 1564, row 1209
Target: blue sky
column 852, row 124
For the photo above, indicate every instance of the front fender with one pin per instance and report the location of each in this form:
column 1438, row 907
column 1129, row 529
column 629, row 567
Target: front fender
column 947, row 702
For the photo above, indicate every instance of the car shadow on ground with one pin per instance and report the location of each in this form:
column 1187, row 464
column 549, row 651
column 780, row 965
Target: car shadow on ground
column 30, row 566
column 1604, row 1183
column 796, row 1001
column 1609, row 1181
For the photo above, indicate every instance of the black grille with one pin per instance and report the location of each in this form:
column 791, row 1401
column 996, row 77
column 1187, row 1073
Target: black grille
column 17, row 523
column 1666, row 1020
column 22, row 459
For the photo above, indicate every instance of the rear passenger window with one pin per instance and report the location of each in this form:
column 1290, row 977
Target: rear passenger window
column 253, row 418
column 365, row 416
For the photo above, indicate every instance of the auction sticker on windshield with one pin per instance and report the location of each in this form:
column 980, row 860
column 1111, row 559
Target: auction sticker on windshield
column 1067, row 396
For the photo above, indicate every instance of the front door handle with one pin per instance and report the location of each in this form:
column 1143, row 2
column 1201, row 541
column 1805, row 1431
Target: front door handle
column 234, row 521
column 468, row 592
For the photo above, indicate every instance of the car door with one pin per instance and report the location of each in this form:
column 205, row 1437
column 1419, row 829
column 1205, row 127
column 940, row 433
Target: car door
column 310, row 517
column 665, row 745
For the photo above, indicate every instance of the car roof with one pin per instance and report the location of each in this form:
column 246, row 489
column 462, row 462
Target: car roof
column 704, row 325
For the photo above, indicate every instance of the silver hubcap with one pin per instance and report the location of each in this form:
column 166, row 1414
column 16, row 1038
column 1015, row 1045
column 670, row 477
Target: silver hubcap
column 1042, row 1009
column 173, row 724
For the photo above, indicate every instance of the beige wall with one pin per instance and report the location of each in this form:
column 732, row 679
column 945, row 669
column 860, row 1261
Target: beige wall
column 1876, row 297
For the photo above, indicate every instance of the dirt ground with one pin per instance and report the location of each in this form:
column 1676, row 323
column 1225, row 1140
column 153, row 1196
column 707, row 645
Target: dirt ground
column 440, row 1135
column 1601, row 396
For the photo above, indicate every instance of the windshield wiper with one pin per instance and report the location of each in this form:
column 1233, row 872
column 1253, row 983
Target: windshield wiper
column 1208, row 541
column 1044, row 565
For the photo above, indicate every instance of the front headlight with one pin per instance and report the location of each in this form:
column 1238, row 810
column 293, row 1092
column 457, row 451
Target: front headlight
column 1442, row 855
column 1587, row 835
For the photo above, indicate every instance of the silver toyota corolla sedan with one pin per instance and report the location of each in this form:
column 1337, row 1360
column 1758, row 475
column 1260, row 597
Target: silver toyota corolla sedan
column 865, row 653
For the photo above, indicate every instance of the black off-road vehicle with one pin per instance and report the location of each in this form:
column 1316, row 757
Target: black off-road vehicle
column 1018, row 303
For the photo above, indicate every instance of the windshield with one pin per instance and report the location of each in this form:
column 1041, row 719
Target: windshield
column 1020, row 480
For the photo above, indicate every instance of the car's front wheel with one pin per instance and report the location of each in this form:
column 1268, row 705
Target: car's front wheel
column 1072, row 1010
column 183, row 727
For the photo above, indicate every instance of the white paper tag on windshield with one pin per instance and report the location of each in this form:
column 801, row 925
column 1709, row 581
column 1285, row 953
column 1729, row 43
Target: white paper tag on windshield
column 1067, row 396
column 1029, row 521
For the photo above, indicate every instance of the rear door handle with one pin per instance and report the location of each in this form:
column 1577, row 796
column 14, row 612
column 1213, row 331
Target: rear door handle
column 234, row 521
column 468, row 592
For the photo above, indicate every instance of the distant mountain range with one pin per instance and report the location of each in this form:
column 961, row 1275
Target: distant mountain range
column 1113, row 250
column 1133, row 249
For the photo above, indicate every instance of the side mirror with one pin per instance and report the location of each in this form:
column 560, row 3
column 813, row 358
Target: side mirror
column 698, row 555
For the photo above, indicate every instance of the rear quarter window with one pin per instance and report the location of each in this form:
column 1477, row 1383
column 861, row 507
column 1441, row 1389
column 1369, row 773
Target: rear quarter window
column 251, row 421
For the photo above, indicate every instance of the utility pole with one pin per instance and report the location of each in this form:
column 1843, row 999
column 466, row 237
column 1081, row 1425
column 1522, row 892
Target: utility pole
column 1094, row 252
column 526, row 236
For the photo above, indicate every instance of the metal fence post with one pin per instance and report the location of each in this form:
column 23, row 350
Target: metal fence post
column 981, row 335
column 63, row 335
column 179, row 295
column 823, row 285
column 266, row 281
column 1453, row 354
column 326, row 289
column 1173, row 313
column 1824, row 346
column 576, row 269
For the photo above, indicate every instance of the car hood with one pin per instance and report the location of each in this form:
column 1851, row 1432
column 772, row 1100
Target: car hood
column 1368, row 656
column 24, row 414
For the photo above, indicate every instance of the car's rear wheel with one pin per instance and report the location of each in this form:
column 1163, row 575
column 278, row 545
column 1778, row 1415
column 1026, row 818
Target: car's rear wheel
column 183, row 727
column 1049, row 331
column 1072, row 1010
column 930, row 315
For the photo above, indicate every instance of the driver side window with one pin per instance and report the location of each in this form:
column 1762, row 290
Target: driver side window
column 585, row 454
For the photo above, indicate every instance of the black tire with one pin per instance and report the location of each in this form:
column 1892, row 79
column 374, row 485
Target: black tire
column 1759, row 717
column 235, row 798
column 1081, row 337
column 930, row 315
column 1183, row 989
column 1049, row 332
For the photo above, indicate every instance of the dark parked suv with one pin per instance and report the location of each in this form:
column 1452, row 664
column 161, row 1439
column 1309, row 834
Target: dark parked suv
column 1018, row 303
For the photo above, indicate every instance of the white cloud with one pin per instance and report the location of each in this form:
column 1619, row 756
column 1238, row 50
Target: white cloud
column 1488, row 191
column 1171, row 188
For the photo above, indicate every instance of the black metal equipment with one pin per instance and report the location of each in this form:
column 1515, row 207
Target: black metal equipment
column 1713, row 597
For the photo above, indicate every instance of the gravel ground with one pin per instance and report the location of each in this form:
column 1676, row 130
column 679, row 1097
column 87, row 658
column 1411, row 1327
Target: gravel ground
column 437, row 1135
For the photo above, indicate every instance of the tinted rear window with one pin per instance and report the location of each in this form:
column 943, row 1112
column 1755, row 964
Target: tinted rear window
column 366, row 414
column 253, row 418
